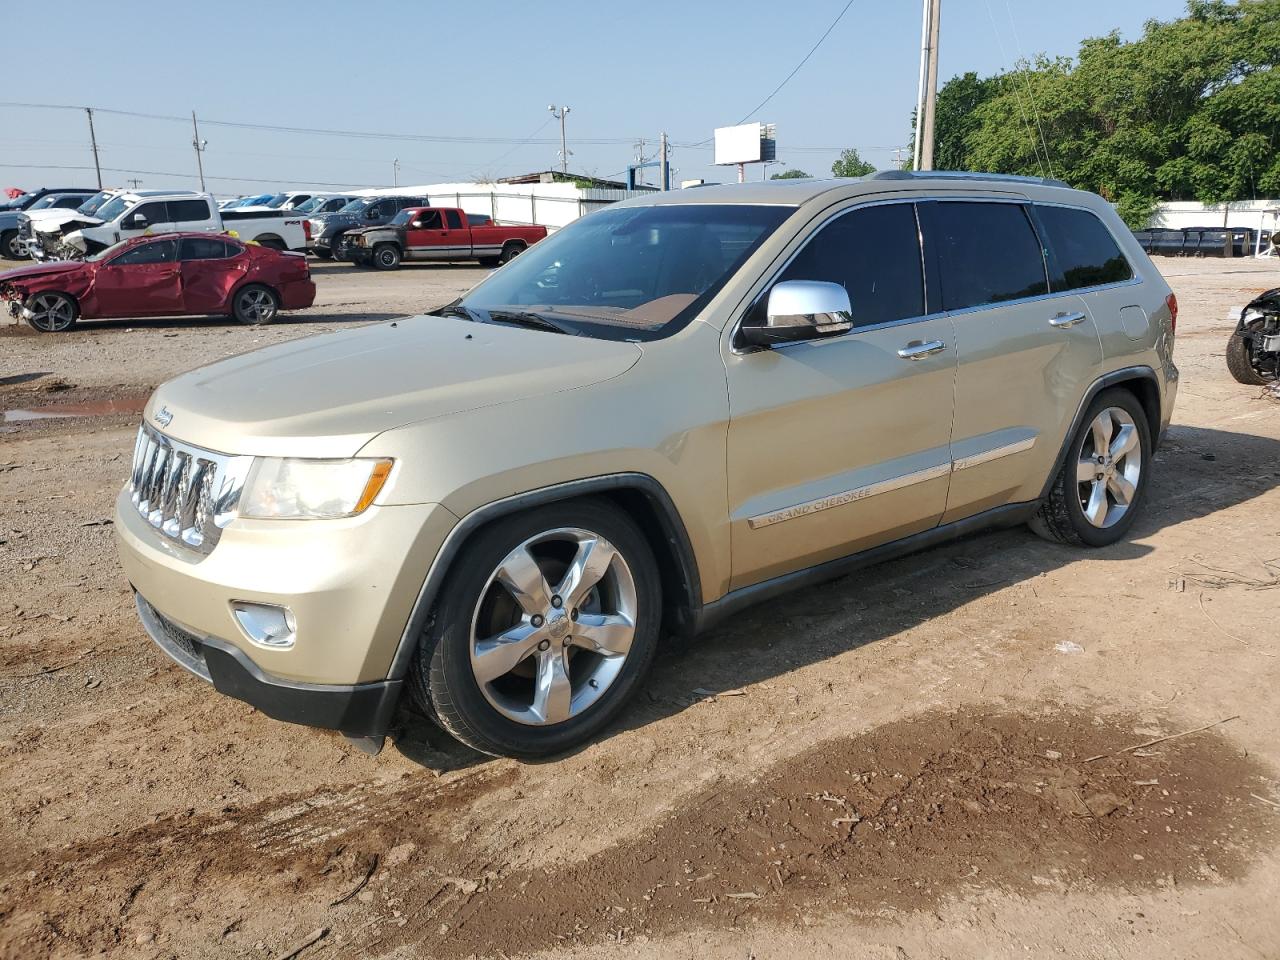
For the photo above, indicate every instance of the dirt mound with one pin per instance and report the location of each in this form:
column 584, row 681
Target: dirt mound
column 896, row 819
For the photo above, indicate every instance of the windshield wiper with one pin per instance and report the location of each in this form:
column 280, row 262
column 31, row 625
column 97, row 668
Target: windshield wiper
column 457, row 310
column 535, row 321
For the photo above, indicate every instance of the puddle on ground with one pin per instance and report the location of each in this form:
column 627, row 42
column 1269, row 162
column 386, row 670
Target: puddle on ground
column 64, row 411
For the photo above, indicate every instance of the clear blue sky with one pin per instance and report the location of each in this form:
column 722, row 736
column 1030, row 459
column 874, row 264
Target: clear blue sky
column 628, row 70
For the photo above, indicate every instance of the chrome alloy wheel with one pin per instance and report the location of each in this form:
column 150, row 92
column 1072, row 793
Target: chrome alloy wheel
column 1109, row 467
column 553, row 627
column 51, row 312
column 257, row 305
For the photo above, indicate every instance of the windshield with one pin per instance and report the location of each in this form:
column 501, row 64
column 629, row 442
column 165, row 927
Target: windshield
column 403, row 217
column 310, row 206
column 630, row 273
column 44, row 202
column 277, row 201
column 112, row 209
column 93, row 203
column 356, row 205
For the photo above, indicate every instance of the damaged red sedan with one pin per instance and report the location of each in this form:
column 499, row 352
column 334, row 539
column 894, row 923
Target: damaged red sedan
column 167, row 275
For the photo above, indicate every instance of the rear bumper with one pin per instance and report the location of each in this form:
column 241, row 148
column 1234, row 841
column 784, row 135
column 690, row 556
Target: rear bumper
column 359, row 710
column 297, row 294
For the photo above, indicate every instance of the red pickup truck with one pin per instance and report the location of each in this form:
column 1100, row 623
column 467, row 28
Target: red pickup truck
column 441, row 234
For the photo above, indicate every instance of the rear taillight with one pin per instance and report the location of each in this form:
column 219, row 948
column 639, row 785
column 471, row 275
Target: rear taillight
column 1171, row 301
column 306, row 229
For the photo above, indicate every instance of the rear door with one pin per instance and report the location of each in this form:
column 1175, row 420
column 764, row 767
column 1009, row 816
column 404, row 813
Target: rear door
column 457, row 234
column 210, row 267
column 1025, row 354
column 840, row 444
column 142, row 281
column 194, row 214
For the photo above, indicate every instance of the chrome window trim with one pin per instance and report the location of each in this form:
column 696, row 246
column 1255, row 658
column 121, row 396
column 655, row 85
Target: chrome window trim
column 1136, row 280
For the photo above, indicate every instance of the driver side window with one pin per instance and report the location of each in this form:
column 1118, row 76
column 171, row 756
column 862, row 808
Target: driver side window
column 874, row 253
column 427, row 220
column 160, row 251
column 153, row 213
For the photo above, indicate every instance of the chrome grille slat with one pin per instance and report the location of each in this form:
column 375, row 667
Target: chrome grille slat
column 187, row 493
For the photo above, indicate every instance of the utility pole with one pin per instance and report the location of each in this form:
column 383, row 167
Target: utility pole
column 135, row 181
column 199, row 145
column 664, row 165
column 564, row 149
column 928, row 97
column 899, row 153
column 93, row 139
column 395, row 172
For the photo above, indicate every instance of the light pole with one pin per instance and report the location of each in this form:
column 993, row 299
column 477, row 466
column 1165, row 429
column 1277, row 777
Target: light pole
column 395, row 172
column 200, row 146
column 928, row 98
column 560, row 113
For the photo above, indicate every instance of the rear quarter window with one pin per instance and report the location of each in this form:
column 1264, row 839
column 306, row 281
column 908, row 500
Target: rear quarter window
column 1082, row 251
column 187, row 211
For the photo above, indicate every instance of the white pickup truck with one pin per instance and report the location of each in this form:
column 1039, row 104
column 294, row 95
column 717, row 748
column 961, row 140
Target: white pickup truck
column 134, row 214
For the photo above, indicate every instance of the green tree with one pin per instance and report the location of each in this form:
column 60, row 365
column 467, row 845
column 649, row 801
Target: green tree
column 1190, row 110
column 791, row 174
column 851, row 165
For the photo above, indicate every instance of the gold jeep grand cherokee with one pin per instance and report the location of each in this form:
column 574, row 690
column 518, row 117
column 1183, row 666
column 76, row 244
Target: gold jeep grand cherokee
column 672, row 408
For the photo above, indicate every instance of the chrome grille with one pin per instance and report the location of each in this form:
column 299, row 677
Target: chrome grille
column 187, row 493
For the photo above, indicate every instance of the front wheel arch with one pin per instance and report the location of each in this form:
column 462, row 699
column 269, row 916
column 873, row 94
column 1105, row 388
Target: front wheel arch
column 69, row 297
column 640, row 495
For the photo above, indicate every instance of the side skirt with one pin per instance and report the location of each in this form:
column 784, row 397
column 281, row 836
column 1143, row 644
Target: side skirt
column 711, row 614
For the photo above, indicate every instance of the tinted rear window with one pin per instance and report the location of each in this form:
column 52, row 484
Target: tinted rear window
column 987, row 253
column 1082, row 251
column 187, row 211
column 874, row 253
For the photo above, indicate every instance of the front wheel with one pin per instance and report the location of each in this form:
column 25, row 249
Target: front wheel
column 1246, row 363
column 544, row 631
column 10, row 246
column 322, row 253
column 1096, row 495
column 51, row 312
column 256, row 305
column 386, row 256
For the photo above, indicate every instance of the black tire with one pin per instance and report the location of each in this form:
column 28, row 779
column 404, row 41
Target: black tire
column 1061, row 515
column 335, row 246
column 322, row 254
column 490, row 261
column 255, row 305
column 510, row 251
column 386, row 256
column 52, row 312
column 9, row 246
column 1240, row 360
column 271, row 243
column 441, row 678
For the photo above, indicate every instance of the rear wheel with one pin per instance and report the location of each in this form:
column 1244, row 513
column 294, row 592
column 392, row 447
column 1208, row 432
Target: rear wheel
column 511, row 251
column 272, row 243
column 9, row 248
column 386, row 256
column 255, row 305
column 544, row 631
column 1096, row 495
column 323, row 254
column 51, row 312
column 1243, row 360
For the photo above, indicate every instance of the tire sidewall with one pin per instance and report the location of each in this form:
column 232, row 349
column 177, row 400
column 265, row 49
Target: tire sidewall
column 386, row 256
column 1089, row 534
column 449, row 640
column 6, row 238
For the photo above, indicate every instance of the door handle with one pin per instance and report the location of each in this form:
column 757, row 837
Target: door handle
column 919, row 349
column 1066, row 319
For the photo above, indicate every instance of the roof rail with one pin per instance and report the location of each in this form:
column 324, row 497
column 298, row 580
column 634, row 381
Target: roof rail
column 963, row 175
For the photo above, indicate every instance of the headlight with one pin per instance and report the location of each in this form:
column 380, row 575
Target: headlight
column 288, row 489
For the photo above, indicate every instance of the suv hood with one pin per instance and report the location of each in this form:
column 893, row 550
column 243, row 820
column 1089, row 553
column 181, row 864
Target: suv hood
column 327, row 396
column 52, row 224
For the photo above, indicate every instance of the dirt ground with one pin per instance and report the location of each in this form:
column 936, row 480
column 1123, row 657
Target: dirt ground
column 924, row 760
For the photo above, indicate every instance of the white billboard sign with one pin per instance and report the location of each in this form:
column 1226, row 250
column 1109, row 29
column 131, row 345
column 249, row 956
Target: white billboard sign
column 740, row 144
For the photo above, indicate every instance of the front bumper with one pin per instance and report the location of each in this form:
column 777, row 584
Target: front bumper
column 351, row 585
column 358, row 710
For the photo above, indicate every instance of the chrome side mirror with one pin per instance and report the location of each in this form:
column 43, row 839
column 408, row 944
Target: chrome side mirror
column 801, row 310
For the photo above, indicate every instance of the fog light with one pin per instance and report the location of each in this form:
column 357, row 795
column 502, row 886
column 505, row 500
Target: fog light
column 266, row 624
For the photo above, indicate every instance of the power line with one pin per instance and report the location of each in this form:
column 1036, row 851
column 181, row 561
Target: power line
column 812, row 50
column 1026, row 77
column 186, row 175
column 1017, row 95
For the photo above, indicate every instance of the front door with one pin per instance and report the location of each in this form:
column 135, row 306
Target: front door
column 1025, row 354
column 840, row 444
column 427, row 237
column 142, row 281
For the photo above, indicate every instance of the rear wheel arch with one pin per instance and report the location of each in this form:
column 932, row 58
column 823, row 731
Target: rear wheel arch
column 271, row 241
column 639, row 496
